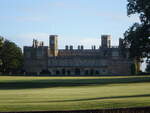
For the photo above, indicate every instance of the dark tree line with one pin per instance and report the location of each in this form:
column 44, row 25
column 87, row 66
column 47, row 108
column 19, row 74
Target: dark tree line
column 11, row 58
column 137, row 37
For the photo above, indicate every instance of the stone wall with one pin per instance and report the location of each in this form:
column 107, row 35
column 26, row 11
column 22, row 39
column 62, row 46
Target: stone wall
column 35, row 59
column 89, row 65
column 102, row 61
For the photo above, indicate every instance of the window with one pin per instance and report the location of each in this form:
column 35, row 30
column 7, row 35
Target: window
column 28, row 54
column 115, row 53
column 39, row 54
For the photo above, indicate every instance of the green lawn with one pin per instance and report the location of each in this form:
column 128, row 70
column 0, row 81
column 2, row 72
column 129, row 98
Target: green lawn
column 73, row 93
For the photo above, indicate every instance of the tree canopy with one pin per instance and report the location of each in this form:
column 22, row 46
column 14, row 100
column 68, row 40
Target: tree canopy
column 1, row 44
column 137, row 37
column 148, row 68
column 11, row 56
column 141, row 7
column 1, row 41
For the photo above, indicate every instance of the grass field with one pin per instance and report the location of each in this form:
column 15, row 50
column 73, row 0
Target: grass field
column 73, row 93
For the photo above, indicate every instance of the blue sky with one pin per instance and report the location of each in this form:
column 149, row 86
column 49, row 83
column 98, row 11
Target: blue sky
column 75, row 21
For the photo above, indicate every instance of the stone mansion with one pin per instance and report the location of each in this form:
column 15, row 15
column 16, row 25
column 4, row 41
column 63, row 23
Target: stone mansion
column 105, row 60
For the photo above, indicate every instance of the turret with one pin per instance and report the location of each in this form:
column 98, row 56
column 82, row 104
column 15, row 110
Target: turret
column 35, row 43
column 53, row 44
column 106, row 41
column 120, row 42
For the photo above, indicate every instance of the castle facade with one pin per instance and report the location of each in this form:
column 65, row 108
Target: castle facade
column 105, row 60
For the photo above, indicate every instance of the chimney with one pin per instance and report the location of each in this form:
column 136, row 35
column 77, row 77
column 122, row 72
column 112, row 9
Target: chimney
column 82, row 47
column 33, row 45
column 67, row 47
column 41, row 43
column 71, row 47
column 79, row 47
column 94, row 47
column 36, row 43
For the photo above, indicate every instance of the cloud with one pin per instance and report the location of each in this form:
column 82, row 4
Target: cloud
column 26, row 18
column 118, row 17
column 75, row 41
column 26, row 39
column 65, row 5
column 31, row 18
column 87, row 42
column 59, row 4
column 33, row 35
column 90, row 41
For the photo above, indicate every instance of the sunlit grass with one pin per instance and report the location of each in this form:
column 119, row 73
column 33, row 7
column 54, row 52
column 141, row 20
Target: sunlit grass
column 73, row 93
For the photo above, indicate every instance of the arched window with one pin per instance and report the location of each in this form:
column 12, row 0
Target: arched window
column 57, row 72
column 45, row 72
column 63, row 71
column 68, row 72
column 77, row 71
column 97, row 72
column 92, row 72
column 86, row 72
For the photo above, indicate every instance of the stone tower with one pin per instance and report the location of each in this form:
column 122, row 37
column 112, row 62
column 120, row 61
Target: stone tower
column 53, row 44
column 106, row 41
column 120, row 42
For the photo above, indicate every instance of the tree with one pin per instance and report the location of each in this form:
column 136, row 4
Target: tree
column 1, row 44
column 137, row 37
column 11, row 56
column 148, row 68
column 1, row 41
column 141, row 7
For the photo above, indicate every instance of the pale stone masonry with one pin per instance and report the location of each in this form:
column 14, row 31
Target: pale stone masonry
column 105, row 60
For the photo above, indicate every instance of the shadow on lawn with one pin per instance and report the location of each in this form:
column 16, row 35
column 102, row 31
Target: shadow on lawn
column 101, row 98
column 90, row 99
column 48, row 83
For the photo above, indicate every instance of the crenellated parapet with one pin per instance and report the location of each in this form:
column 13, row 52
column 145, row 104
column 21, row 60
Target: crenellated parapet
column 102, row 60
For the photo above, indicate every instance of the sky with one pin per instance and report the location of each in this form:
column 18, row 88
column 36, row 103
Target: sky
column 77, row 22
